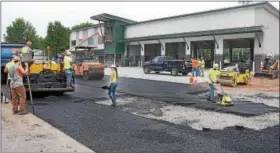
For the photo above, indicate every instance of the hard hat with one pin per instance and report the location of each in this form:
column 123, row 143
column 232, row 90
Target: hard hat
column 216, row 66
column 113, row 66
column 68, row 52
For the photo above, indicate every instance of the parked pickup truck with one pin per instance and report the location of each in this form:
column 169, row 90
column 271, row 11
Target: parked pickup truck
column 169, row 64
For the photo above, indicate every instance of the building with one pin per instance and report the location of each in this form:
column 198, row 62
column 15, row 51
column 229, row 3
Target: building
column 77, row 36
column 233, row 34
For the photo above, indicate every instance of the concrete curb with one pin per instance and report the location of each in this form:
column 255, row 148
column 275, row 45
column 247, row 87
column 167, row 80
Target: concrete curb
column 29, row 133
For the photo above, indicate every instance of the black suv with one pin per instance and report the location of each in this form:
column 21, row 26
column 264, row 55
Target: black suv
column 169, row 64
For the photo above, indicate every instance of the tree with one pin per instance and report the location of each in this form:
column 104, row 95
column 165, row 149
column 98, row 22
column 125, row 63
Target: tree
column 82, row 25
column 20, row 31
column 57, row 37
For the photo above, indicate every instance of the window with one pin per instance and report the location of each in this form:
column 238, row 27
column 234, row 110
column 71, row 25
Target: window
column 73, row 42
column 100, row 40
column 155, row 60
column 91, row 41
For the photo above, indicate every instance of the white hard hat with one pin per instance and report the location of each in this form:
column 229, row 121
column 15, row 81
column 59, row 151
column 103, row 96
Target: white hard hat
column 216, row 66
column 68, row 52
column 113, row 65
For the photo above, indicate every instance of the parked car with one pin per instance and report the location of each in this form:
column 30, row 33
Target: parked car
column 167, row 64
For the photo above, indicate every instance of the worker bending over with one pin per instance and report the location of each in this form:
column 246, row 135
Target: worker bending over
column 201, row 66
column 17, row 88
column 212, row 79
column 67, row 61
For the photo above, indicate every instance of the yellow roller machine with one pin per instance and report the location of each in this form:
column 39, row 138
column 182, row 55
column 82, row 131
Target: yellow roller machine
column 234, row 75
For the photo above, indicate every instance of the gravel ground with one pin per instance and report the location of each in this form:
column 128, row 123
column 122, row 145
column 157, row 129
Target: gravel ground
column 197, row 118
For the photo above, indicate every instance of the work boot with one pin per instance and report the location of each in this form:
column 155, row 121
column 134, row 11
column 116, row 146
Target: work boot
column 15, row 112
column 114, row 105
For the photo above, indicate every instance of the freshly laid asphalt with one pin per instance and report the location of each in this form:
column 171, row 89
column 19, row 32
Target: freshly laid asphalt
column 105, row 129
column 176, row 93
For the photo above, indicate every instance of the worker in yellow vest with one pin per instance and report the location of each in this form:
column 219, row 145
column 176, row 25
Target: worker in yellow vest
column 201, row 66
column 26, row 49
column 68, row 68
column 213, row 75
column 7, row 66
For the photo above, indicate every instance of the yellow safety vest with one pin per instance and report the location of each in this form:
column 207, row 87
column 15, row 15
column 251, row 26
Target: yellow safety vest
column 114, row 78
column 25, row 49
column 202, row 63
column 8, row 65
column 212, row 74
column 67, row 62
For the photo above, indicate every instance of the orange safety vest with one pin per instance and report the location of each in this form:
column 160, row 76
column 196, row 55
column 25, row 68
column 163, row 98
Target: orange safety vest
column 195, row 63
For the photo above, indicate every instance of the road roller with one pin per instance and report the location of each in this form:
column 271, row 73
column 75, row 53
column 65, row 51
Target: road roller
column 235, row 75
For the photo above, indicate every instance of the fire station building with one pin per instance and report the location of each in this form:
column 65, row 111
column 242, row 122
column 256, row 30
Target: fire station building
column 241, row 33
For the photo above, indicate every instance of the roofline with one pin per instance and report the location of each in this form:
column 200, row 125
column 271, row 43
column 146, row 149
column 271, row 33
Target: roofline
column 206, row 12
column 237, row 30
column 117, row 18
column 12, row 44
column 86, row 28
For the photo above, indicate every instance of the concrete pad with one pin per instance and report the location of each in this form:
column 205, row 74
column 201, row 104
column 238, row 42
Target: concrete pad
column 137, row 72
column 28, row 133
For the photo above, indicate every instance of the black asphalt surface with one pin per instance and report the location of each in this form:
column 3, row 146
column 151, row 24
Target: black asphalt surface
column 177, row 93
column 109, row 130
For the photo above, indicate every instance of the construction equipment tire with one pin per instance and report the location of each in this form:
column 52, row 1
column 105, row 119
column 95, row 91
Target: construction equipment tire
column 246, row 81
column 174, row 72
column 86, row 75
column 234, row 84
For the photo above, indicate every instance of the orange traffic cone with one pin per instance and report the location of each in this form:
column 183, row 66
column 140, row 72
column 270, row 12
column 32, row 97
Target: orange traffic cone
column 192, row 80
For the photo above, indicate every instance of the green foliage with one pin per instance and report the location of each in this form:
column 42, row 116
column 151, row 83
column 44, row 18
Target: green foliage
column 82, row 25
column 57, row 37
column 20, row 31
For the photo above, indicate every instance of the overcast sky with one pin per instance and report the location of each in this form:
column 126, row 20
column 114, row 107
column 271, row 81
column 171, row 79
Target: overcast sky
column 72, row 13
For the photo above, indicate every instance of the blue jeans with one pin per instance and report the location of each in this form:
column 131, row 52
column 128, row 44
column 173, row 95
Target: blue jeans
column 195, row 71
column 112, row 92
column 211, row 91
column 68, row 74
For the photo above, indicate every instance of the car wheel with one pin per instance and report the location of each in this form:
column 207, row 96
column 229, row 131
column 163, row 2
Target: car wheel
column 85, row 75
column 157, row 72
column 174, row 72
column 146, row 70
column 185, row 73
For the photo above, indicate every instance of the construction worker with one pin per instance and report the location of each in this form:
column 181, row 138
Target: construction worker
column 7, row 66
column 201, row 66
column 112, row 85
column 26, row 49
column 67, row 65
column 17, row 88
column 195, row 65
column 212, row 79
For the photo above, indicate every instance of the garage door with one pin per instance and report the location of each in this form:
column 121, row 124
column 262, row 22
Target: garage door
column 151, row 51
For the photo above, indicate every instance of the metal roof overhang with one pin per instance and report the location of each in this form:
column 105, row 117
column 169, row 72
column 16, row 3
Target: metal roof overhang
column 106, row 17
column 240, row 30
